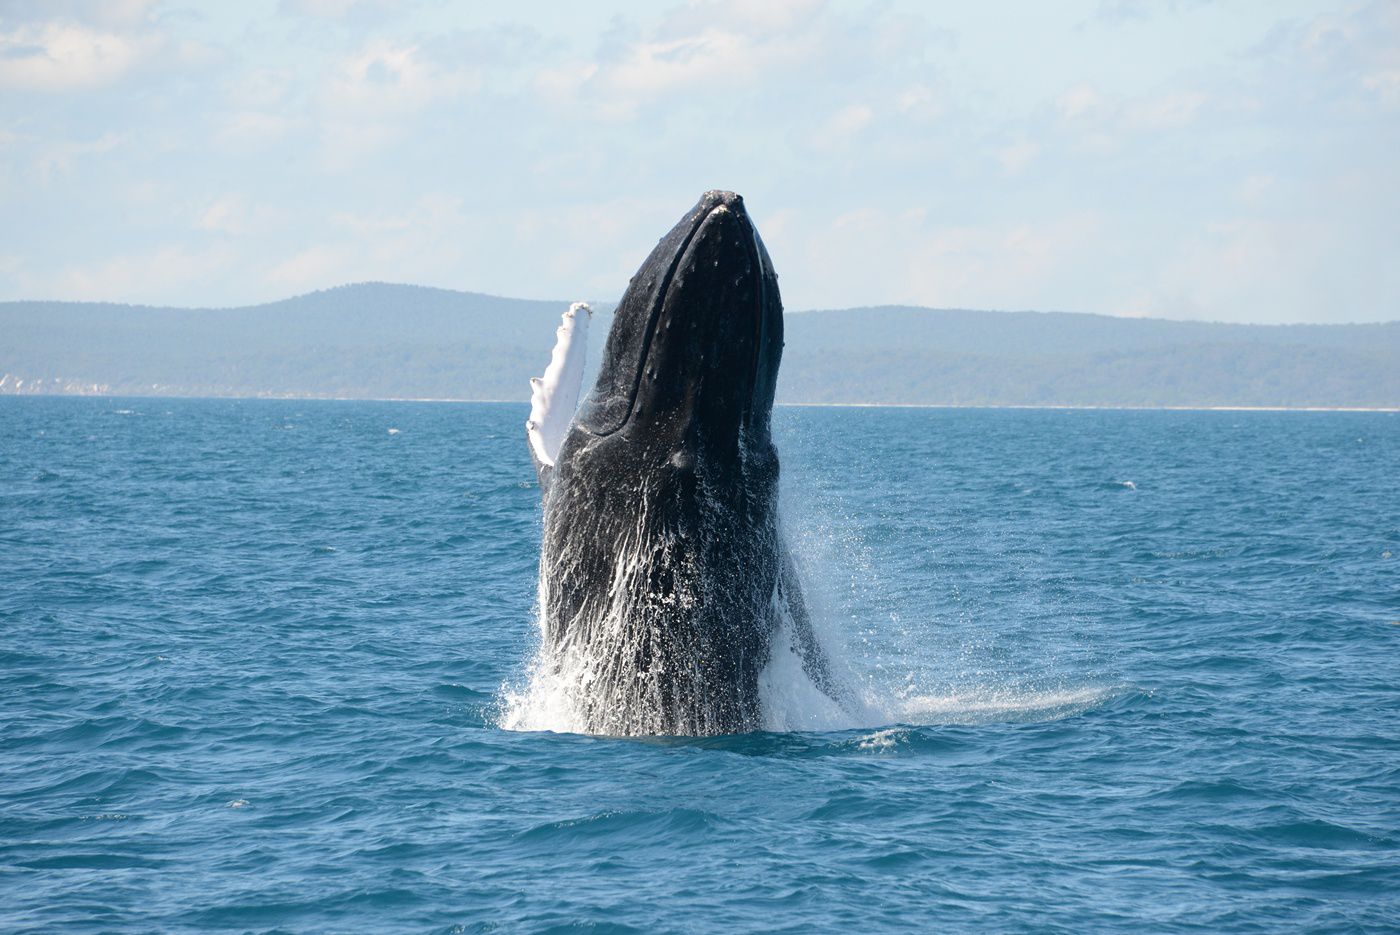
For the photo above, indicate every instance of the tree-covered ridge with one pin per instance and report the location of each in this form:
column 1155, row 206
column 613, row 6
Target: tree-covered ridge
column 379, row 340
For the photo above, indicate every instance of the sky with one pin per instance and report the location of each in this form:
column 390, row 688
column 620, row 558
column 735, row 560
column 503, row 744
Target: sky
column 1192, row 160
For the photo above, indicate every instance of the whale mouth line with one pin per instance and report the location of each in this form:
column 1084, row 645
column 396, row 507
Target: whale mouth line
column 760, row 323
column 662, row 294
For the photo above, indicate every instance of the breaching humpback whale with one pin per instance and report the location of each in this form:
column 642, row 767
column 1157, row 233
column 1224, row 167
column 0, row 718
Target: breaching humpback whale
column 664, row 577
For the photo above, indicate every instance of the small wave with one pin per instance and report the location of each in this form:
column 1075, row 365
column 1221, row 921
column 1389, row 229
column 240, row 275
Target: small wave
column 881, row 740
column 1317, row 833
column 619, row 822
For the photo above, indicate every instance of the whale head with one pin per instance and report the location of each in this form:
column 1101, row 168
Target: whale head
column 691, row 362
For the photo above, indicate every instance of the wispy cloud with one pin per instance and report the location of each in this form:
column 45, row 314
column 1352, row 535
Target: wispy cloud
column 59, row 56
column 717, row 48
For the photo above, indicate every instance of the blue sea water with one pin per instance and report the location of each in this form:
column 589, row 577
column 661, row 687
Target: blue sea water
column 1125, row 671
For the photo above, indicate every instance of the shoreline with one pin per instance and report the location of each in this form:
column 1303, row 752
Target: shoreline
column 526, row 403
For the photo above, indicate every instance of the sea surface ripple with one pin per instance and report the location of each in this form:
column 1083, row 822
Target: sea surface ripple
column 1128, row 671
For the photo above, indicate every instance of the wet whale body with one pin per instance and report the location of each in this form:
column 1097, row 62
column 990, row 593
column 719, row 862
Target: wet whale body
column 664, row 577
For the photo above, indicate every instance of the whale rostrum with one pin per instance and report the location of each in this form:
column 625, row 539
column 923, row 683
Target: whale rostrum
column 664, row 576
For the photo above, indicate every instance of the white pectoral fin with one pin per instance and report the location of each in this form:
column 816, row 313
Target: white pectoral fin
column 554, row 396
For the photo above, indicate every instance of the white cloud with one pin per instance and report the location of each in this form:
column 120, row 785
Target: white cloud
column 373, row 96
column 1079, row 101
column 769, row 18
column 389, row 80
column 1385, row 85
column 373, row 226
column 117, row 14
column 260, row 88
column 919, row 101
column 69, row 57
column 1349, row 57
column 713, row 57
column 1007, row 266
column 336, row 9
column 1164, row 112
column 315, row 267
column 233, row 213
column 779, row 225
column 1014, row 159
column 591, row 247
column 841, row 126
column 1139, row 11
column 1272, row 269
column 251, row 128
column 704, row 49
column 1256, row 187
column 710, row 57
column 322, row 9
column 224, row 214
column 430, row 241
column 906, row 255
column 1085, row 106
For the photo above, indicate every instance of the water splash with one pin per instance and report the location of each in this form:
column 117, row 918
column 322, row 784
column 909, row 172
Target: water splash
column 902, row 645
column 902, row 678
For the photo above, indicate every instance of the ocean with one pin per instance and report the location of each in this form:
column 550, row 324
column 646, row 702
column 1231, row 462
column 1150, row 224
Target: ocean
column 262, row 668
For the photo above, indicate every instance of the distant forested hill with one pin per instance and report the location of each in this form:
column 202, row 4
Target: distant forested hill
column 913, row 355
column 380, row 340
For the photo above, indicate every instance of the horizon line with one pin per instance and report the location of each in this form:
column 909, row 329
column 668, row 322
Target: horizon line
column 525, row 402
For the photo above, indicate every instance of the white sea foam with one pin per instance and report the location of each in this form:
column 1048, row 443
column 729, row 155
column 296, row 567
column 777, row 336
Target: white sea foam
column 791, row 701
column 882, row 739
column 544, row 699
column 1004, row 704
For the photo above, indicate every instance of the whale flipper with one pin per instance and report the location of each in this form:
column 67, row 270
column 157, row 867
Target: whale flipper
column 793, row 606
column 554, row 396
